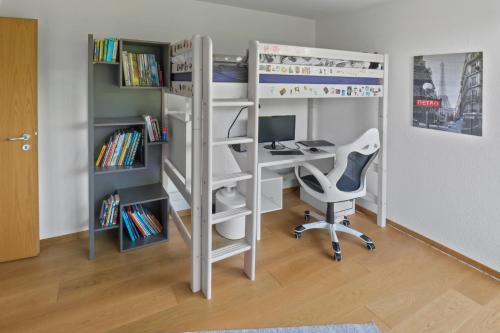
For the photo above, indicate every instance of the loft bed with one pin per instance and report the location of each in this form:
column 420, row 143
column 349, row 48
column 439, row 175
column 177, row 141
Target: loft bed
column 199, row 81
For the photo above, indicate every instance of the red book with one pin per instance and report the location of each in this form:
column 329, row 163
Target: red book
column 111, row 151
column 137, row 224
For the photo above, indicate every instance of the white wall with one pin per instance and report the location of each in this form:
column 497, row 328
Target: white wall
column 444, row 186
column 63, row 29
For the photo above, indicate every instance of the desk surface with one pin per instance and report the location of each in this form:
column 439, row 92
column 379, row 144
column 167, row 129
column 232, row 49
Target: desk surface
column 267, row 160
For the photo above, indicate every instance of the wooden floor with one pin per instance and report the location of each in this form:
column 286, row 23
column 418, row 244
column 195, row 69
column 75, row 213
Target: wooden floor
column 403, row 286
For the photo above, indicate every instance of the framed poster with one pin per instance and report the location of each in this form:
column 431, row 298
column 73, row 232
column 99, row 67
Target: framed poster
column 448, row 92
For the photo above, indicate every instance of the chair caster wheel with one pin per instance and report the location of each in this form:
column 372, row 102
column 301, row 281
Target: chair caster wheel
column 298, row 235
column 370, row 246
column 307, row 216
column 346, row 223
column 337, row 256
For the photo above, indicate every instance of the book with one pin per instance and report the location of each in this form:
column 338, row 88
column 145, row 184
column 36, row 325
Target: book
column 120, row 149
column 126, row 68
column 142, row 70
column 101, row 154
column 140, row 222
column 105, row 50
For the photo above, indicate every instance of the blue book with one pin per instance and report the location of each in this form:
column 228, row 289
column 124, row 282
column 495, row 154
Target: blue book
column 146, row 229
column 155, row 78
column 144, row 221
column 109, row 49
column 131, row 148
column 127, row 225
column 133, row 151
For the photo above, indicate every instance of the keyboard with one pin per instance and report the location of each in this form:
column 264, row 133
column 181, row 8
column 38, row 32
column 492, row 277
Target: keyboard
column 287, row 152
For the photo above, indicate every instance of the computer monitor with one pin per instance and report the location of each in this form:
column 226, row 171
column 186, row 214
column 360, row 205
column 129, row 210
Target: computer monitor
column 276, row 128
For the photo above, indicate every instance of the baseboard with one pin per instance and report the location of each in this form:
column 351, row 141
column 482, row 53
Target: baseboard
column 64, row 238
column 477, row 265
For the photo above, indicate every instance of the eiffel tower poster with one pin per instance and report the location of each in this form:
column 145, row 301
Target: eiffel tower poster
column 447, row 92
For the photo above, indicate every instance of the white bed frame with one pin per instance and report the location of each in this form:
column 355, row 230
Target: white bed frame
column 207, row 97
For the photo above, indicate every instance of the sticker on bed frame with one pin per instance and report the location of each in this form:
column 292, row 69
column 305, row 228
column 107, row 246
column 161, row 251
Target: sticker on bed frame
column 319, row 71
column 318, row 90
column 181, row 46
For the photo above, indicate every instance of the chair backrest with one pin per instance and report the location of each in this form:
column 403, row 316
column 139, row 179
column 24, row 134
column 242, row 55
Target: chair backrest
column 352, row 162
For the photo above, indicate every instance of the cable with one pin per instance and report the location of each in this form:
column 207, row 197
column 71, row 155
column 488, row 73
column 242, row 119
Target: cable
column 234, row 121
column 237, row 147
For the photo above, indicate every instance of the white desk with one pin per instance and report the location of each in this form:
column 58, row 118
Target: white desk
column 270, row 181
column 267, row 160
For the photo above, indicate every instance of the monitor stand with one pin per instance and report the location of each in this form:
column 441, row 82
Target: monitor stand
column 273, row 146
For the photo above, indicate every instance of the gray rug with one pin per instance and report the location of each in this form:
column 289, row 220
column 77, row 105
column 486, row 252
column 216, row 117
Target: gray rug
column 341, row 328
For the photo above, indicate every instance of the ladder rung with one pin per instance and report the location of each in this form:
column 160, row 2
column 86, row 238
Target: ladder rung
column 230, row 214
column 230, row 178
column 232, row 141
column 231, row 102
column 230, row 250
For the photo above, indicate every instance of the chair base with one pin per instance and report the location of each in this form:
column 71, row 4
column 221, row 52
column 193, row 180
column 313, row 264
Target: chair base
column 341, row 225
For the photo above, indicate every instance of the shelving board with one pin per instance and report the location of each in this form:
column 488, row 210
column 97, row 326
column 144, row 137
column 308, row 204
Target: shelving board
column 143, row 242
column 118, row 121
column 142, row 194
column 118, row 168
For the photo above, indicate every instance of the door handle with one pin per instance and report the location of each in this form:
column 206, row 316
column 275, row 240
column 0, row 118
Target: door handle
column 24, row 137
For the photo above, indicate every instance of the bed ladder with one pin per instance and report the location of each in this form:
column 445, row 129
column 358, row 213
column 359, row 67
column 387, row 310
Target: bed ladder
column 247, row 245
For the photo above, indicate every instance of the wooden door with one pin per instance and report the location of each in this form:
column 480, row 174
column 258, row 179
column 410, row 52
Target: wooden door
column 19, row 235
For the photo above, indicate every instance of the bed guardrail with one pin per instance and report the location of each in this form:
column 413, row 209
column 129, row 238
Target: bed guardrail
column 302, row 72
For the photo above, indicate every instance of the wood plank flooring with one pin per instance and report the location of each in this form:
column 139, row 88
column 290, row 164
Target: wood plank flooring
column 403, row 286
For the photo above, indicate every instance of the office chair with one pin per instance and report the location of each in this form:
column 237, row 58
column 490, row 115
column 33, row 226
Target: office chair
column 346, row 181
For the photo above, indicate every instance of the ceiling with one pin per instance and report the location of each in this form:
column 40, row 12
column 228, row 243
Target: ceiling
column 312, row 9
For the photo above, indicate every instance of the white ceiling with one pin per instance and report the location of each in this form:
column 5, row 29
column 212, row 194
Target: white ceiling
column 311, row 9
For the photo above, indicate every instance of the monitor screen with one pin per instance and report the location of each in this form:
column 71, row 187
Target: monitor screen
column 276, row 128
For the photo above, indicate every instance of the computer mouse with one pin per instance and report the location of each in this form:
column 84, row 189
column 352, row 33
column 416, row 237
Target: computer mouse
column 313, row 149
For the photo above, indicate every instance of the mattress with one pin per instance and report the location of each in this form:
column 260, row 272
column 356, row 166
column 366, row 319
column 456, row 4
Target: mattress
column 222, row 72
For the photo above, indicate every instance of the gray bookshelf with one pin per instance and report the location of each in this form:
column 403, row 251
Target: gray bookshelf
column 113, row 106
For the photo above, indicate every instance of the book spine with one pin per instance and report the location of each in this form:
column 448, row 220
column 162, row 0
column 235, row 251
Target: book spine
column 112, row 150
column 125, row 148
column 144, row 220
column 154, row 219
column 101, row 154
column 109, row 212
column 135, row 147
column 131, row 148
column 110, row 142
column 127, row 226
column 115, row 49
column 137, row 224
column 119, row 146
column 151, row 222
column 125, row 68
column 150, row 128
column 136, row 70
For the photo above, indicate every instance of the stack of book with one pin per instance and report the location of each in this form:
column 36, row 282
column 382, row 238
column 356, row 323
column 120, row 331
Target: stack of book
column 105, row 50
column 141, row 70
column 121, row 149
column 153, row 128
column 140, row 222
column 109, row 211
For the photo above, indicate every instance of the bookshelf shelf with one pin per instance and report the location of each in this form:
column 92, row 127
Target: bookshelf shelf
column 118, row 121
column 99, row 228
column 141, row 87
column 156, row 143
column 142, row 194
column 112, row 107
column 128, row 245
column 106, row 63
column 118, row 168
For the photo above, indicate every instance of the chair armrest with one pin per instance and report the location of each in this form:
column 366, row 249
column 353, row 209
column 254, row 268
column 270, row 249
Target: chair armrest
column 322, row 179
